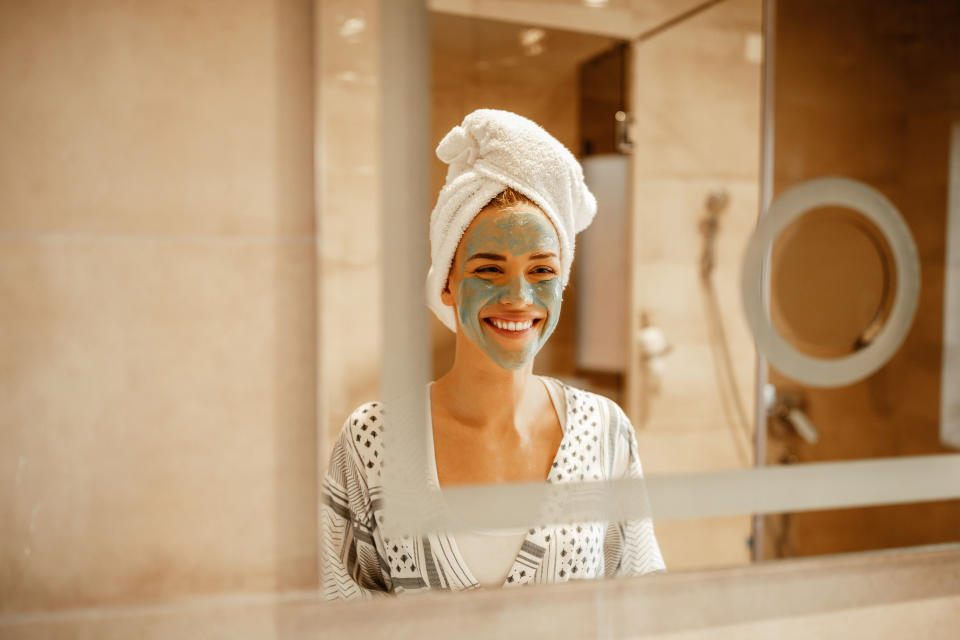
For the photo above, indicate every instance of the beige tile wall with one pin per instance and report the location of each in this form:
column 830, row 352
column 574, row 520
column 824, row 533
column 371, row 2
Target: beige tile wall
column 695, row 99
column 157, row 278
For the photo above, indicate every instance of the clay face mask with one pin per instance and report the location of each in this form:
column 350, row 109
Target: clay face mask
column 487, row 286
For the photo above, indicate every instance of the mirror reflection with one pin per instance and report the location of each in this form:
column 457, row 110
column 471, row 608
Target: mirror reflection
column 651, row 318
column 191, row 270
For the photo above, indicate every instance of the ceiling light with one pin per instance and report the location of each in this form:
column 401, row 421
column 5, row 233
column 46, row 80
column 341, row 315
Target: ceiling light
column 530, row 37
column 352, row 27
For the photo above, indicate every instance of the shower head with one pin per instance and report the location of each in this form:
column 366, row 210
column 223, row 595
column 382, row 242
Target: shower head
column 717, row 201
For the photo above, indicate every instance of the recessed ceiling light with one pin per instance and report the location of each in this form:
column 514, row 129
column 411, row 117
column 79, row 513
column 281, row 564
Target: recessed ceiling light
column 352, row 27
column 530, row 37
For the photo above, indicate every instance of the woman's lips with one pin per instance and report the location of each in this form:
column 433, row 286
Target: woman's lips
column 512, row 328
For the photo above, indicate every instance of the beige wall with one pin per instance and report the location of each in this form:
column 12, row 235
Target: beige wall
column 696, row 102
column 157, row 277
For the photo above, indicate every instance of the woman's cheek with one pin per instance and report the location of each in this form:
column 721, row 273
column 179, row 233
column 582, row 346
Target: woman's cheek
column 549, row 296
column 473, row 295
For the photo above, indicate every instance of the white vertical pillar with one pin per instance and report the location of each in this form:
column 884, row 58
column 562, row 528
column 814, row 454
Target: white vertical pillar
column 767, row 138
column 950, row 375
column 405, row 208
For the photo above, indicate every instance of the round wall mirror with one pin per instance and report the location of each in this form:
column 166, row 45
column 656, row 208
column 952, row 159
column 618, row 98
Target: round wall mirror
column 832, row 282
column 844, row 279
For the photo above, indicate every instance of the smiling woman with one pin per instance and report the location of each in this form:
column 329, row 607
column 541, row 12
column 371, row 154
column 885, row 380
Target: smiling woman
column 502, row 237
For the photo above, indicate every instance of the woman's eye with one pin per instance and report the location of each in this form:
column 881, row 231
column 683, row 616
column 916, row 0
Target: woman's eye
column 543, row 270
column 487, row 270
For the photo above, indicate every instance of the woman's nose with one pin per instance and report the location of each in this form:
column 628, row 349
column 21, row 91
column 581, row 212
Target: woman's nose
column 518, row 291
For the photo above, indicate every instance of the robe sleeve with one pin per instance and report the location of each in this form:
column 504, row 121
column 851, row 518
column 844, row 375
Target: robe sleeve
column 630, row 547
column 351, row 564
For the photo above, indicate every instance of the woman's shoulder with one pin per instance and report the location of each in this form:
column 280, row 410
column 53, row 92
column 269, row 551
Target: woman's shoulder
column 361, row 436
column 583, row 404
column 369, row 412
column 593, row 419
column 365, row 419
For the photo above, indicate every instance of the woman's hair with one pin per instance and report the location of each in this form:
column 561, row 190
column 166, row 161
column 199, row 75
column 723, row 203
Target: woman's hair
column 508, row 197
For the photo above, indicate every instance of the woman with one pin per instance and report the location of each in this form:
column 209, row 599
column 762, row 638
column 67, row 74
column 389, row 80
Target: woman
column 502, row 242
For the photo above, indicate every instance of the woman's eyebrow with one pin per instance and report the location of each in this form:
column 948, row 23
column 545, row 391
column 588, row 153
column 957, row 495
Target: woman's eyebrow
column 543, row 254
column 487, row 256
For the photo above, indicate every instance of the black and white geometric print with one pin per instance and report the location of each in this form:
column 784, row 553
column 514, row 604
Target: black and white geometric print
column 366, row 424
column 580, row 457
column 598, row 444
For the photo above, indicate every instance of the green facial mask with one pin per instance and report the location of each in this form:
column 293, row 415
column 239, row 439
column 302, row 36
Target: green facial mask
column 512, row 234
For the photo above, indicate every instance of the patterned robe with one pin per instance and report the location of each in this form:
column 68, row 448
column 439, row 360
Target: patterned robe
column 598, row 443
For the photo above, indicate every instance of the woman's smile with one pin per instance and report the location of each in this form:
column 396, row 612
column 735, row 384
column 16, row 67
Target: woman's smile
column 512, row 329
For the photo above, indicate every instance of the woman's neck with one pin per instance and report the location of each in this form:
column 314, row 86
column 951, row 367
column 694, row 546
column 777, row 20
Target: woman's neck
column 479, row 393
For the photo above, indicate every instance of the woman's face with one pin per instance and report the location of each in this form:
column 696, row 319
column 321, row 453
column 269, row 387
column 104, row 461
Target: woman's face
column 505, row 283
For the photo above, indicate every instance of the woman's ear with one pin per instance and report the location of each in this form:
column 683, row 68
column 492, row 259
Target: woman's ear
column 445, row 296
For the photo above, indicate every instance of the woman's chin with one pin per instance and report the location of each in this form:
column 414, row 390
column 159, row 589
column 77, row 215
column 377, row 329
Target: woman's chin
column 514, row 366
column 512, row 359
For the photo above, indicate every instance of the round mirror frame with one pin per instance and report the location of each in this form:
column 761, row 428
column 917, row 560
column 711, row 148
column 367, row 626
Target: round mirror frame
column 822, row 192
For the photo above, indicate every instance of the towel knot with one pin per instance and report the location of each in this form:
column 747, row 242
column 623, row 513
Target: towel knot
column 458, row 147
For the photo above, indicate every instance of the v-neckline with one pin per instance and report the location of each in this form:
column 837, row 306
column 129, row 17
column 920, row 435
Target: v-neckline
column 435, row 478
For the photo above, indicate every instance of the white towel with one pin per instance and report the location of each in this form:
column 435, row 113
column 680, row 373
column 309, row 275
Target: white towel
column 490, row 151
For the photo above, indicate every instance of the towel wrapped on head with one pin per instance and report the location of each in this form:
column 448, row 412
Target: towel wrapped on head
column 490, row 151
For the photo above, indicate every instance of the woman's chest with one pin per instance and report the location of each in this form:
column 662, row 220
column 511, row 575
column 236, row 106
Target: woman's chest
column 475, row 456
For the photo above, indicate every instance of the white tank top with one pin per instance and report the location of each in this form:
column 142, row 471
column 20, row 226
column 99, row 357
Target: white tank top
column 490, row 553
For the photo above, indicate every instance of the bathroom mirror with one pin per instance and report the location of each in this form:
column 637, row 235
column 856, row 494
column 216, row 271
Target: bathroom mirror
column 214, row 252
column 832, row 282
column 876, row 340
column 693, row 198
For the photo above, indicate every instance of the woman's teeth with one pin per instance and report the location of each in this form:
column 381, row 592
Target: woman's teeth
column 511, row 326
